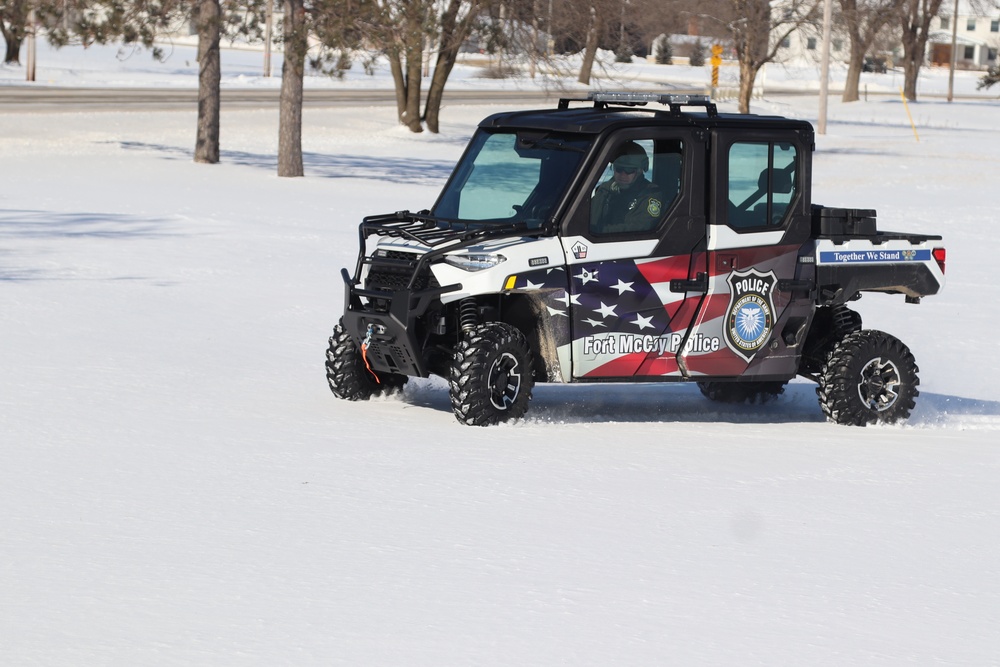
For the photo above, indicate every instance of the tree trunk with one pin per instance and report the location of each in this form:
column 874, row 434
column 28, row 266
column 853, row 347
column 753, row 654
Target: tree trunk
column 453, row 33
column 853, row 80
column 910, row 73
column 590, row 48
column 13, row 51
column 435, row 92
column 911, row 64
column 396, row 67
column 206, row 147
column 916, row 19
column 863, row 21
column 414, row 51
column 751, row 40
column 292, row 73
column 748, row 74
column 12, row 29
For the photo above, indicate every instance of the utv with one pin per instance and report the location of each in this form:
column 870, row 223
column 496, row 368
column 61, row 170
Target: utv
column 617, row 243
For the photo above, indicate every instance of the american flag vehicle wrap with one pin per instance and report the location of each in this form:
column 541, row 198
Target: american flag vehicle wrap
column 620, row 319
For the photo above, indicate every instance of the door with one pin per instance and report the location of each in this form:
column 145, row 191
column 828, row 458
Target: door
column 630, row 247
column 756, row 306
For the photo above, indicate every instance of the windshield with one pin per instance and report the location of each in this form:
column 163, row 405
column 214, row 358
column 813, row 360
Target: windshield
column 512, row 176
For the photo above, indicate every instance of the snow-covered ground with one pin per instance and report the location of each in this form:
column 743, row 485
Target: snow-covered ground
column 179, row 487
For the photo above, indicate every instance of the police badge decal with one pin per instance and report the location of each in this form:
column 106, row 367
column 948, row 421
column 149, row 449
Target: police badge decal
column 750, row 316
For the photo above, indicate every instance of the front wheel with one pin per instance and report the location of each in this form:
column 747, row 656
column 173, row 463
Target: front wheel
column 347, row 374
column 491, row 375
column 869, row 377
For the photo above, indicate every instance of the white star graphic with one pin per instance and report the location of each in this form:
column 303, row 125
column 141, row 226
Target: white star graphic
column 606, row 310
column 594, row 323
column 643, row 322
column 567, row 299
column 553, row 312
column 586, row 276
column 531, row 285
column 623, row 287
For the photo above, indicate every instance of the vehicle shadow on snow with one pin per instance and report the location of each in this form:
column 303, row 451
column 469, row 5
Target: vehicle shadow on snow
column 662, row 402
column 683, row 402
column 666, row 403
column 408, row 170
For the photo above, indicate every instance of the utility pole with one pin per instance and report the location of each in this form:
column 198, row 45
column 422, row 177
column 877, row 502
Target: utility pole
column 267, row 37
column 824, row 77
column 30, row 65
column 954, row 54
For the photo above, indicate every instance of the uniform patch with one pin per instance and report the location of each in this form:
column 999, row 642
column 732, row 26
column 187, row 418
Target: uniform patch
column 750, row 317
column 654, row 207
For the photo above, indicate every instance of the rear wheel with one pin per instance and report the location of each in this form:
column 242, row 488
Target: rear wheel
column 491, row 375
column 347, row 374
column 742, row 392
column 870, row 377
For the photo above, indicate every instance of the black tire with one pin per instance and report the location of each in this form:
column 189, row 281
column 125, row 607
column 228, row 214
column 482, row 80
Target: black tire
column 870, row 377
column 491, row 375
column 347, row 375
column 742, row 392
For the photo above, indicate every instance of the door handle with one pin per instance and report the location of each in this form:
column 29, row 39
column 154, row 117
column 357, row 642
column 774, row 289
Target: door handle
column 699, row 284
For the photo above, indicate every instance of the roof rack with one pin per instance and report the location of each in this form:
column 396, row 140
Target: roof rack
column 603, row 99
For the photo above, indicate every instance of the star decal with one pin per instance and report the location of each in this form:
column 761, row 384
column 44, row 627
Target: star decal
column 594, row 323
column 553, row 312
column 567, row 299
column 606, row 310
column 643, row 322
column 623, row 287
column 586, row 276
column 532, row 286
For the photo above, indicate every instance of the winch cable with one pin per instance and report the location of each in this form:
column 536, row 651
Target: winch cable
column 364, row 353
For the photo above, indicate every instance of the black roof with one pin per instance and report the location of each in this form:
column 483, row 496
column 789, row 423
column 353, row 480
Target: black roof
column 600, row 117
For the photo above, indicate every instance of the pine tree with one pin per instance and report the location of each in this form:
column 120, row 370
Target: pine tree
column 664, row 50
column 697, row 57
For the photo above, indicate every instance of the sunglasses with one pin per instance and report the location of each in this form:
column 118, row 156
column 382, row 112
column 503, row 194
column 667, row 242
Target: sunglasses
column 628, row 171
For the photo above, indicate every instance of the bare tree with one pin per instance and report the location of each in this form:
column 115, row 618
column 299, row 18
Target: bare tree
column 863, row 20
column 453, row 30
column 405, row 30
column 915, row 19
column 758, row 31
column 144, row 22
column 595, row 30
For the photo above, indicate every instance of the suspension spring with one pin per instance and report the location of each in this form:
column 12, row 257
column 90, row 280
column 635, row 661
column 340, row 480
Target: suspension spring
column 468, row 314
column 845, row 320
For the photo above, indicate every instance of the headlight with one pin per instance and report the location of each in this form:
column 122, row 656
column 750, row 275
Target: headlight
column 475, row 262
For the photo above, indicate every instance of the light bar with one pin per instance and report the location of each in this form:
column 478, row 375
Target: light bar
column 623, row 97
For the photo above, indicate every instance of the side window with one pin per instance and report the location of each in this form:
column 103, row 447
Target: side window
column 761, row 183
column 639, row 184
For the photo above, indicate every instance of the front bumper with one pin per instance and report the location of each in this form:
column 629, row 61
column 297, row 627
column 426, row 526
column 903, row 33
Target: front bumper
column 395, row 344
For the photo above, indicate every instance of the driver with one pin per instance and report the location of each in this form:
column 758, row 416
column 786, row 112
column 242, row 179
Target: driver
column 626, row 202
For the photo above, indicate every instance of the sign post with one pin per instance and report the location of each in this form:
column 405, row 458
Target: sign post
column 716, row 61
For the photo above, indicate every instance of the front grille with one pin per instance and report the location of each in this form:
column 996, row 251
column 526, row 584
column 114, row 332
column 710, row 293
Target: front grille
column 391, row 271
